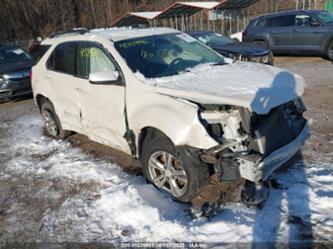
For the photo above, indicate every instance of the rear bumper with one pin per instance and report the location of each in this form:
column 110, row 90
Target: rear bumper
column 256, row 168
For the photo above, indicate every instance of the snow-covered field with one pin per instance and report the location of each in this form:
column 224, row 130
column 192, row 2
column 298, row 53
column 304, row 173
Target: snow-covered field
column 52, row 191
column 79, row 198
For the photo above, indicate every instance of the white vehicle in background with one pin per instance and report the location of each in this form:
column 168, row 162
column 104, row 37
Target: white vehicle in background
column 237, row 36
column 184, row 111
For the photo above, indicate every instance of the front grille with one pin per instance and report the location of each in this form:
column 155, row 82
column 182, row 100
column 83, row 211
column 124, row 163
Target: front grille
column 276, row 129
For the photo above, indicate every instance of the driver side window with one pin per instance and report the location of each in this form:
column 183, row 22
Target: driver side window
column 92, row 59
column 304, row 20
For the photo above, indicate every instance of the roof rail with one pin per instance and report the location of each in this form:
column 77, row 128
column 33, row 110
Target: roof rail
column 75, row 31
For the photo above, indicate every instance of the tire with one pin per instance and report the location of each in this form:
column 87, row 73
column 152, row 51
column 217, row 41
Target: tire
column 53, row 126
column 329, row 51
column 262, row 43
column 192, row 174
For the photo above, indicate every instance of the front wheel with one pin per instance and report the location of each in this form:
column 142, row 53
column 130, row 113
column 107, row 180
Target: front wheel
column 329, row 52
column 52, row 123
column 262, row 43
column 178, row 173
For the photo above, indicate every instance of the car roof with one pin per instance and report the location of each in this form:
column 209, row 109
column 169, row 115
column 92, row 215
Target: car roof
column 288, row 12
column 113, row 34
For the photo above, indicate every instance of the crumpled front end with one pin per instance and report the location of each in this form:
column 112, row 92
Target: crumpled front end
column 253, row 146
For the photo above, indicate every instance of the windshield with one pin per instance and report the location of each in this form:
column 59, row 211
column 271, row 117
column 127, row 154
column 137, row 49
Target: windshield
column 213, row 39
column 165, row 55
column 14, row 54
column 325, row 17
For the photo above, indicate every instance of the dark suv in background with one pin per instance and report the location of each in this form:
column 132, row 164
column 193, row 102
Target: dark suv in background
column 308, row 32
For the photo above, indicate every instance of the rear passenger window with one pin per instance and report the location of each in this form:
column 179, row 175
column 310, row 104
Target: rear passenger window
column 283, row 21
column 263, row 23
column 63, row 59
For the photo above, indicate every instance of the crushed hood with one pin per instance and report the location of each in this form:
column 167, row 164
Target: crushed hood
column 255, row 86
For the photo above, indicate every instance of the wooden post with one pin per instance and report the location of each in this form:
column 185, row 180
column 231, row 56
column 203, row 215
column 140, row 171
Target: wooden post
column 238, row 22
column 222, row 23
column 213, row 20
column 176, row 20
column 201, row 21
column 230, row 23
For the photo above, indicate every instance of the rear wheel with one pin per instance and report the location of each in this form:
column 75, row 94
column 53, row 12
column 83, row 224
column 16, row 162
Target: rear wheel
column 52, row 123
column 178, row 173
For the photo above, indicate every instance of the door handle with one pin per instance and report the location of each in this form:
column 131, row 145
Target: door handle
column 296, row 30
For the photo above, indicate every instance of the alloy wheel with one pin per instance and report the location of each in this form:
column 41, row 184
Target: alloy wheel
column 167, row 173
column 50, row 123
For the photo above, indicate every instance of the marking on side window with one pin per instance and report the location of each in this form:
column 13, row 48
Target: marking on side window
column 133, row 43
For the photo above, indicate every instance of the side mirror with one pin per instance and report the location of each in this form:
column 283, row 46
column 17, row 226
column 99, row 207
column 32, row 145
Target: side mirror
column 105, row 78
column 315, row 23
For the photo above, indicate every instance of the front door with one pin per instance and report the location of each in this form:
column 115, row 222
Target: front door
column 102, row 105
column 307, row 37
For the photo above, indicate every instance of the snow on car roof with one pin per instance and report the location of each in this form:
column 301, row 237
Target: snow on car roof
column 117, row 34
column 114, row 34
column 147, row 15
column 203, row 5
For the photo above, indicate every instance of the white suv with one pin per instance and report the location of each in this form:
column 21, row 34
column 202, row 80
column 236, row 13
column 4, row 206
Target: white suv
column 183, row 110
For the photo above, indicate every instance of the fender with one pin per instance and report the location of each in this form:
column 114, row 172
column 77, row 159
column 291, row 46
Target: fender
column 262, row 38
column 326, row 40
column 178, row 119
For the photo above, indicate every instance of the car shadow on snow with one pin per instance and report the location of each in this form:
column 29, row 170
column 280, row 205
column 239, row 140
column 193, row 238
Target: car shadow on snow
column 285, row 218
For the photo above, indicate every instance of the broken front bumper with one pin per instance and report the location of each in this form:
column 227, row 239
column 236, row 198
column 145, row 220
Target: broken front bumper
column 255, row 168
column 14, row 89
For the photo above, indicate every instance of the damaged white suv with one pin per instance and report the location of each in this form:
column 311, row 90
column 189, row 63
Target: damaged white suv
column 192, row 117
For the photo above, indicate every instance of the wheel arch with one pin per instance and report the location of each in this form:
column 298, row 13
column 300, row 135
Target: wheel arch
column 40, row 99
column 150, row 132
column 261, row 39
column 326, row 43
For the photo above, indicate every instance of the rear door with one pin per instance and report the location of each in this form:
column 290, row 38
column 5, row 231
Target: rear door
column 307, row 37
column 281, row 32
column 61, row 82
column 102, row 105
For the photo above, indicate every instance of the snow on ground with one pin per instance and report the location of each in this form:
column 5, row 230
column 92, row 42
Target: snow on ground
column 51, row 191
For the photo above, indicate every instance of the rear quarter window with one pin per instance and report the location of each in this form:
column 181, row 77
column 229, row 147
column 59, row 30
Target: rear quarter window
column 263, row 23
column 63, row 58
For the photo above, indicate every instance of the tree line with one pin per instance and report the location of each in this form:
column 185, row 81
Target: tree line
column 29, row 19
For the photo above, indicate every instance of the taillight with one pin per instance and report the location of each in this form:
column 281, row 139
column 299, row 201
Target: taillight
column 30, row 74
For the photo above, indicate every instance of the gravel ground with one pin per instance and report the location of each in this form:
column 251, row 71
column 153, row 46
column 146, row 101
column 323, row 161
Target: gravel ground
column 75, row 191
